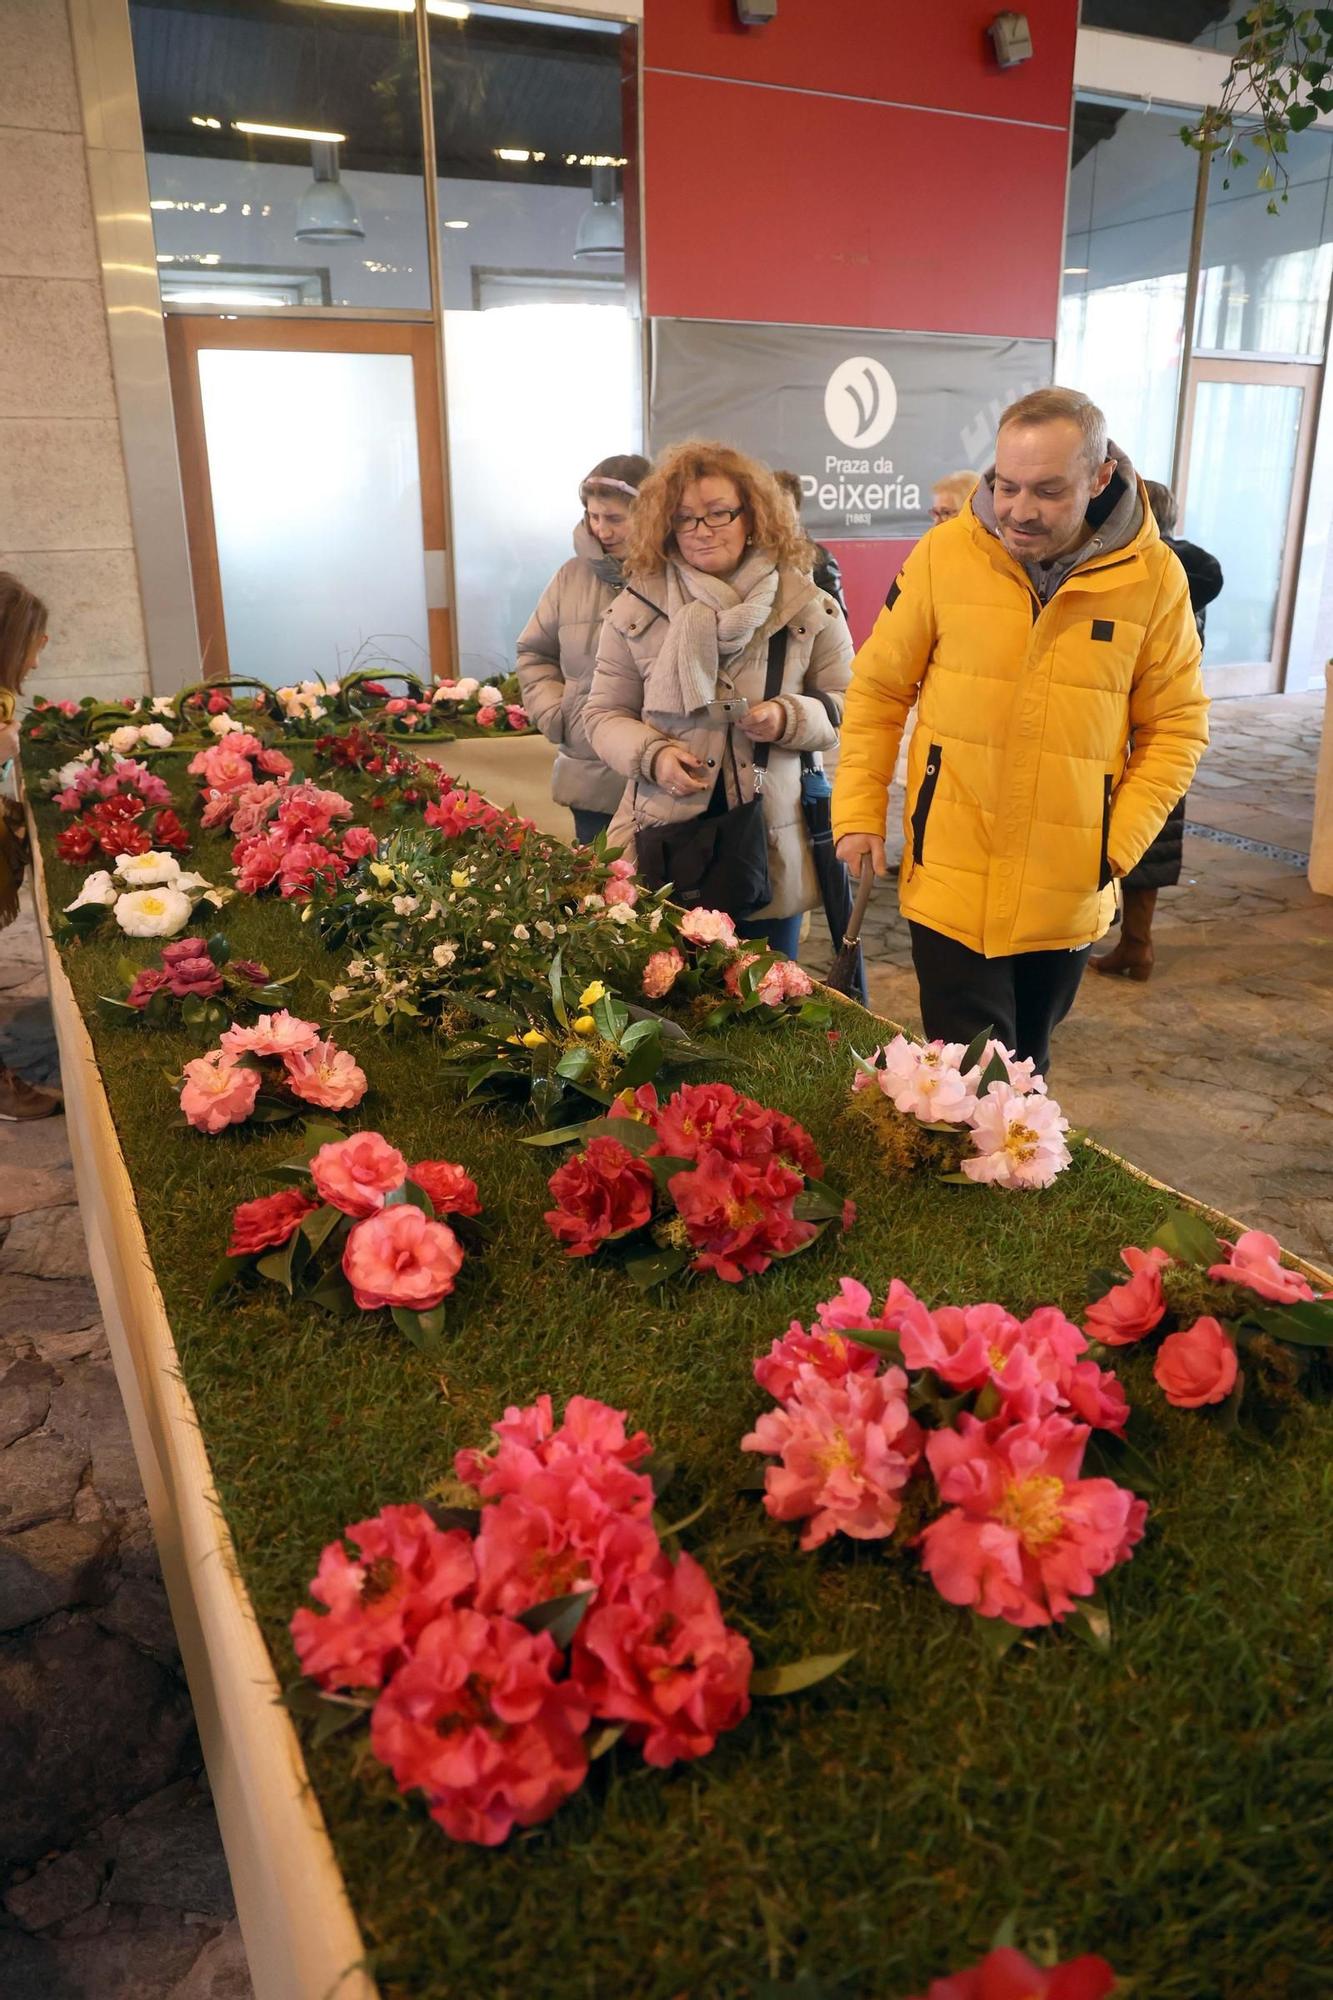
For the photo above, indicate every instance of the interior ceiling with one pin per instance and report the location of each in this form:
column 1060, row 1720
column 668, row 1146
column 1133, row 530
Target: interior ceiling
column 550, row 89
column 1162, row 20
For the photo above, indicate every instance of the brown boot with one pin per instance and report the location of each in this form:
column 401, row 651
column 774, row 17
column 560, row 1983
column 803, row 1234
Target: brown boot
column 21, row 1099
column 1134, row 954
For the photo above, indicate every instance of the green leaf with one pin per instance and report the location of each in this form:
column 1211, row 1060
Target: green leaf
column 995, row 1635
column 686, row 1521
column 642, row 1065
column 424, row 1330
column 224, row 1274
column 1187, row 1237
column 219, row 950
column 574, row 1064
column 271, row 1111
column 560, row 1616
column 115, row 1011
column 634, row 1135
column 663, row 1165
column 1307, row 1323
column 798, row 1674
column 333, row 1295
column 557, row 984
column 409, row 1195
column 976, row 1049
column 660, row 1469
column 319, row 1225
column 996, row 1071
column 656, row 1268
column 818, row 1202
column 1090, row 1621
column 327, row 1715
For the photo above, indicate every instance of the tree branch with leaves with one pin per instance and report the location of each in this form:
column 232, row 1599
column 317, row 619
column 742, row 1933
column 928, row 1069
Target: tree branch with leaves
column 1280, row 80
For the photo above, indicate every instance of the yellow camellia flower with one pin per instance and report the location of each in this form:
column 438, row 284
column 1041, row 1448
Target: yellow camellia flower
column 460, row 878
column 534, row 1039
column 382, row 872
column 592, row 994
column 585, row 1025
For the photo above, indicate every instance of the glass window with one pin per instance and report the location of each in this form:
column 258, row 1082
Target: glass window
column 1263, row 279
column 1243, row 523
column 284, row 152
column 1131, row 211
column 1202, row 24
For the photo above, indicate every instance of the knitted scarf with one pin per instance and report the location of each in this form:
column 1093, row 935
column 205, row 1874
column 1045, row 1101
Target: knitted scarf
column 711, row 621
column 609, row 568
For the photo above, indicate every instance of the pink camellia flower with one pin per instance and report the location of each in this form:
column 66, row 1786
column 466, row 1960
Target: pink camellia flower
column 223, row 767
column 1019, row 1137
column 705, row 927
column 181, row 950
column 380, row 1601
column 1128, row 1311
column 307, row 863
column 617, row 891
column 621, row 869
column 451, row 1191
column 257, row 863
column 355, row 1174
column 1023, row 1074
column 277, row 1034
column 477, row 1721
column 274, row 764
column 516, row 716
column 325, row 1075
column 783, row 981
column 1006, row 1974
column 217, row 810
column 848, row 1448
column 1196, row 1366
column 830, row 1354
column 309, row 809
column 1095, row 1395
column 1024, row 1536
column 195, row 976
column 251, row 808
column 1255, row 1260
column 592, row 1433
column 560, row 1535
column 955, row 1342
column 146, row 983
column 923, row 1080
column 360, row 842
column 488, row 717
column 401, row 1258
column 662, row 1659
column 217, row 1092
column 661, row 972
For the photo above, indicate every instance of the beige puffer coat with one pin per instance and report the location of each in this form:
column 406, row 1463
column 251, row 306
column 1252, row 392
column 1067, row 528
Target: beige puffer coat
column 815, row 673
column 557, row 652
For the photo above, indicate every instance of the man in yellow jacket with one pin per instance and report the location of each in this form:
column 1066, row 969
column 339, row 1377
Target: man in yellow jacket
column 1046, row 637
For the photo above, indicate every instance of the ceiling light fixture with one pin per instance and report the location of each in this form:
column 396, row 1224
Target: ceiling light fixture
column 326, row 212
column 211, row 124
column 446, row 10
column 259, row 131
column 457, row 224
column 601, row 230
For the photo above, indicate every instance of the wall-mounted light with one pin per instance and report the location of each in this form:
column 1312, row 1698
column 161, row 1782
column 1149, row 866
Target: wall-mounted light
column 1076, row 270
column 518, row 156
column 756, row 13
column 1011, row 39
column 259, row 131
column 444, row 10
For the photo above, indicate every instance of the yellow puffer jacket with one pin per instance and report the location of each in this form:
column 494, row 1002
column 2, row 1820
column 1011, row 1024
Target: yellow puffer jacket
column 1023, row 797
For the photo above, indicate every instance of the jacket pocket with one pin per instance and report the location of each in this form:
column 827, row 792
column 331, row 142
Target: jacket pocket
column 1104, row 866
column 921, row 810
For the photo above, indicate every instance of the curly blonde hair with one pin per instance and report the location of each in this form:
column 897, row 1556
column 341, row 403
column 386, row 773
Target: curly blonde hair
column 771, row 525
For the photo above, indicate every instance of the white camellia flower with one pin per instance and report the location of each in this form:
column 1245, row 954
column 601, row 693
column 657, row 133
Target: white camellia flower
column 190, row 885
column 224, row 725
column 68, row 774
column 148, row 871
column 157, row 736
column 99, row 888
column 123, row 740
column 153, row 912
column 621, row 913
column 444, row 954
column 163, row 704
column 490, row 696
column 465, row 688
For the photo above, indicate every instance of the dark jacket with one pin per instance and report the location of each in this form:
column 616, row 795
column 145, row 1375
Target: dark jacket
column 1203, row 573
column 1161, row 865
column 828, row 575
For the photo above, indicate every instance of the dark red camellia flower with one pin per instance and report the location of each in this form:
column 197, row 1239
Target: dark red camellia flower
column 76, row 842
column 250, row 970
column 219, row 702
column 168, row 832
column 261, row 1224
column 603, row 1193
column 146, row 983
column 197, row 976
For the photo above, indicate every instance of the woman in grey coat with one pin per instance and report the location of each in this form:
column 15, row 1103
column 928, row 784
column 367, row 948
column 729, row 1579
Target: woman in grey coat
column 557, row 649
column 678, row 700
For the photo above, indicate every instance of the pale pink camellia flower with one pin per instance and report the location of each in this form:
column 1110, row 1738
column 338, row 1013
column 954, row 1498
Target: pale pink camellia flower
column 380, row 1600
column 1025, row 1537
column 478, row 1722
column 516, row 716
column 661, row 1659
column 277, row 1034
column 1255, row 1260
column 618, row 891
column 217, row 809
column 848, row 1447
column 356, row 1174
column 1196, row 1366
column 923, row 1080
column 1019, row 1137
column 592, row 1435
column 705, row 927
column 218, row 1092
column 223, row 768
column 400, row 1257
column 830, row 1354
column 661, row 972
column 1022, row 1072
column 784, row 980
column 621, row 869
column 1128, row 1311
column 251, row 808
column 325, row 1075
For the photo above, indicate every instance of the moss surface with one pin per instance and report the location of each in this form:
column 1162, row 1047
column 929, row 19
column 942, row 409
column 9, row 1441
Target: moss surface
column 1166, row 1804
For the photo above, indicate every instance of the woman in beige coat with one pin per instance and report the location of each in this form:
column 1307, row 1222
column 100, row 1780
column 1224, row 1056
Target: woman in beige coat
column 557, row 649
column 678, row 703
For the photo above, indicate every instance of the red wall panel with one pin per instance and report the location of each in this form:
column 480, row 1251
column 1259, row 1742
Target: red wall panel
column 883, row 217
column 868, row 568
column 921, row 55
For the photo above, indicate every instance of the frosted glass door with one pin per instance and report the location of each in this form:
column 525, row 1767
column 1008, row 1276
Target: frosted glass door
column 1243, row 446
column 316, row 490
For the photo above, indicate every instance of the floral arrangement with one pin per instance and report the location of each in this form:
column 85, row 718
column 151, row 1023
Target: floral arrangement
column 289, row 838
column 363, row 1231
column 974, row 1114
column 960, row 1432
column 1008, row 1974
column 702, row 964
column 498, row 1651
column 266, row 1072
column 710, row 1180
column 236, row 761
column 196, row 984
column 1208, row 1303
column 148, row 895
column 112, row 802
column 93, row 721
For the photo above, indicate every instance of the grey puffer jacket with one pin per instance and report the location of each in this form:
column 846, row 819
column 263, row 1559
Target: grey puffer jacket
column 816, row 671
column 557, row 652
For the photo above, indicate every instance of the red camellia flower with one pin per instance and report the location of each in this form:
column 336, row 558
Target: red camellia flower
column 1007, row 1974
column 257, row 862
column 1128, row 1311
column 359, row 842
column 451, row 1191
column 219, row 702
column 75, row 843
column 380, row 1601
column 602, row 1193
column 168, row 832
column 260, row 1225
column 739, row 1215
column 1196, row 1366
column 145, row 985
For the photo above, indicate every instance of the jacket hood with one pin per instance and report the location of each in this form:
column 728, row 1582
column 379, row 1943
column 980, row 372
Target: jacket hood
column 1115, row 517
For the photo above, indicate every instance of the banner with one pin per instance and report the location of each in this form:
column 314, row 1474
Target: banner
column 868, row 420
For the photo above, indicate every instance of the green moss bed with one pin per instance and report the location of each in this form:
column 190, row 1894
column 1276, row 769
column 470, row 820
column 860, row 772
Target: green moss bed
column 1165, row 1803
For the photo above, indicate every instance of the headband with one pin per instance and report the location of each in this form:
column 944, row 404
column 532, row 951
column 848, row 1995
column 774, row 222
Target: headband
column 596, row 479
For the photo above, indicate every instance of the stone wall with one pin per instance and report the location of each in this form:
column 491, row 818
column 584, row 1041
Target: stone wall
column 64, row 509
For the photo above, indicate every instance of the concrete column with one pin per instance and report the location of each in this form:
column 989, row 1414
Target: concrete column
column 1321, row 838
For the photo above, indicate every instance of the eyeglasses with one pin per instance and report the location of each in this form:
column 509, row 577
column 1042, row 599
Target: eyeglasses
column 716, row 518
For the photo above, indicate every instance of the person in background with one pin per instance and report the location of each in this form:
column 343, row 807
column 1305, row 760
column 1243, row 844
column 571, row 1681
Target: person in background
column 715, row 569
column 23, row 635
column 1161, row 865
column 1038, row 632
column 824, row 564
column 948, row 495
column 557, row 649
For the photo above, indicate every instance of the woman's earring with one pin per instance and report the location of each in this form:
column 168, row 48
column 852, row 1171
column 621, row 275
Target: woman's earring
column 749, row 540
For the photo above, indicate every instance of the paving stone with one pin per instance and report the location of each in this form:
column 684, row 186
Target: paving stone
column 83, row 1341
column 132, row 1965
column 25, row 1398
column 24, row 1188
column 175, row 1860
column 39, row 1476
column 138, row 1609
column 63, row 1889
column 87, row 1406
column 220, row 1972
column 50, row 1568
column 46, row 1243
column 35, row 1306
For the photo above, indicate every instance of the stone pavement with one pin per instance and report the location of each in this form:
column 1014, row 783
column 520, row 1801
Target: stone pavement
column 1213, row 1076
column 113, row 1884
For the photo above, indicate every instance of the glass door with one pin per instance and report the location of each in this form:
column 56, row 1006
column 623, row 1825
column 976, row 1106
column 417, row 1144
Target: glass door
column 1249, row 426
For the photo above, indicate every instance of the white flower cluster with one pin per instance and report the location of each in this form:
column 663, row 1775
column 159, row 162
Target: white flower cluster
column 135, row 736
column 1017, row 1130
column 150, row 895
column 305, row 700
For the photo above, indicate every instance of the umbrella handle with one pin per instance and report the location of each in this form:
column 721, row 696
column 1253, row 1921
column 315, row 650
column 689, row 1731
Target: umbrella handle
column 864, row 888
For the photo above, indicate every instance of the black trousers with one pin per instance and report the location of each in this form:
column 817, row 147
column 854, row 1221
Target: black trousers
column 1021, row 998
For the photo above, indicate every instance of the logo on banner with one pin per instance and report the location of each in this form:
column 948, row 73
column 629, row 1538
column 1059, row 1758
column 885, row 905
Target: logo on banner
column 860, row 402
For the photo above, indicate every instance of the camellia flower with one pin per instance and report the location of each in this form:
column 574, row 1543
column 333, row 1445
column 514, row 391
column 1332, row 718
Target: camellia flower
column 197, row 976
column 399, row 1257
column 603, row 1193
column 1255, row 1260
column 1019, row 1137
column 145, row 984
column 1128, row 1311
column 783, row 981
column 705, row 927
column 324, row 1075
column 450, row 1190
column 277, row 1034
column 359, row 842
column 739, row 1214
column 477, row 1721
column 218, row 1092
column 923, row 1080
column 355, row 1174
column 1025, row 1537
column 381, row 1600
column 1006, row 1974
column 268, row 1221
column 97, row 888
column 153, row 912
column 830, row 1354
column 157, row 736
column 661, row 972
column 561, row 1534
column 529, row 1441
column 848, row 1448
column 1196, row 1366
